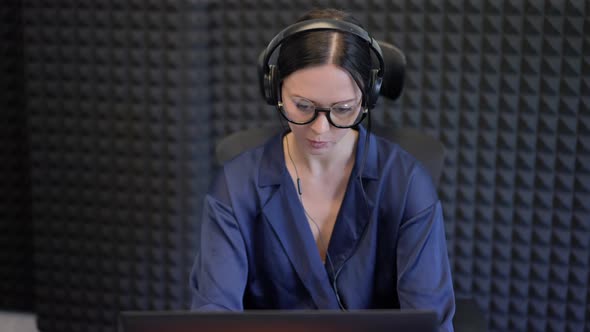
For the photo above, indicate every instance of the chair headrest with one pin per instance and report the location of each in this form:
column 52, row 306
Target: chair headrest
column 395, row 69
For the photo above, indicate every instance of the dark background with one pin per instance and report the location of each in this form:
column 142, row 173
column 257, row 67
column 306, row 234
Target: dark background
column 109, row 111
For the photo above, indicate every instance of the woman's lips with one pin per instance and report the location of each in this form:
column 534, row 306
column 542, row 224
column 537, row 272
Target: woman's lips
column 317, row 144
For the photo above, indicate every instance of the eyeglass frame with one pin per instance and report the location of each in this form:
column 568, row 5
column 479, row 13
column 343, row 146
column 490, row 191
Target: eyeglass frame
column 327, row 110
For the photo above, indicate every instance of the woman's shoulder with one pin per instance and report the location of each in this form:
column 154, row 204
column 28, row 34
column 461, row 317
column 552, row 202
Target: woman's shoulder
column 391, row 156
column 254, row 167
column 403, row 175
column 245, row 181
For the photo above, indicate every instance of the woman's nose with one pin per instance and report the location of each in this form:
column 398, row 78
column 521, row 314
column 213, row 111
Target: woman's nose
column 321, row 123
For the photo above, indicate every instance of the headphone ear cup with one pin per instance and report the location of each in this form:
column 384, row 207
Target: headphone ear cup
column 271, row 85
column 263, row 76
column 374, row 88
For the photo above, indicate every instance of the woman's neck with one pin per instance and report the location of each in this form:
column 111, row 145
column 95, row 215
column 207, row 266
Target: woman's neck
column 341, row 157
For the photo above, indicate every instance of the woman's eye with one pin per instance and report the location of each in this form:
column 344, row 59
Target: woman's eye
column 304, row 107
column 342, row 108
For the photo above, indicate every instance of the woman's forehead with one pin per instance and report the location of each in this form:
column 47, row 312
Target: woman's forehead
column 322, row 83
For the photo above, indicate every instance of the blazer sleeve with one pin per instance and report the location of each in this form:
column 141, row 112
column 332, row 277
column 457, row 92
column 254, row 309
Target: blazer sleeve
column 220, row 270
column 424, row 277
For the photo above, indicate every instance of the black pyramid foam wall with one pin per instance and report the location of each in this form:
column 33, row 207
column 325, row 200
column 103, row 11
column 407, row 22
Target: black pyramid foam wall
column 117, row 94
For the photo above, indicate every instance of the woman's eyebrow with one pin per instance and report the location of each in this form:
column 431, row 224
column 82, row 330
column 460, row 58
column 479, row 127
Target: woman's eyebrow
column 315, row 103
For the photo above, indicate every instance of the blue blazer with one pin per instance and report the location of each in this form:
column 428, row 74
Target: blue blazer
column 388, row 249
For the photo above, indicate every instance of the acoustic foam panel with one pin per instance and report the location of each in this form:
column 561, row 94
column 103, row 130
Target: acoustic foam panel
column 16, row 239
column 504, row 85
column 117, row 93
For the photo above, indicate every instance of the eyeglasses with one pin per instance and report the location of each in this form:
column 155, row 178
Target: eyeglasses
column 340, row 115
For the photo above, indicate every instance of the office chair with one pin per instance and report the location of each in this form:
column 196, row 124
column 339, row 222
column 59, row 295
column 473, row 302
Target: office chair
column 428, row 150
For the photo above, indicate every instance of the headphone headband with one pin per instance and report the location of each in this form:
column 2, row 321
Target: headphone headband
column 269, row 74
column 323, row 24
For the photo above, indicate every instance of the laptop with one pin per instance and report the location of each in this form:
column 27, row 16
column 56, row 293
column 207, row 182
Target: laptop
column 279, row 320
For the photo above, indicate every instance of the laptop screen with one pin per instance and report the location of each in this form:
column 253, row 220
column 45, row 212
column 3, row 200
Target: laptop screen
column 276, row 320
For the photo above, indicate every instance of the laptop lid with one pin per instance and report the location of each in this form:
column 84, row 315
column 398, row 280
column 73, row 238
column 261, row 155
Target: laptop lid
column 277, row 320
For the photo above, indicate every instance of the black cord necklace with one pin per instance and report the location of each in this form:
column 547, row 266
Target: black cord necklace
column 322, row 244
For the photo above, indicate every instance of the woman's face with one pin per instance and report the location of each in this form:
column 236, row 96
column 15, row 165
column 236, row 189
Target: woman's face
column 325, row 86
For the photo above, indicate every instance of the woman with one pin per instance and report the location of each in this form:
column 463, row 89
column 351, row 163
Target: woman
column 324, row 215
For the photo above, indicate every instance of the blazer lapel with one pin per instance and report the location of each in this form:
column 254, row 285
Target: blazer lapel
column 351, row 222
column 282, row 212
column 356, row 208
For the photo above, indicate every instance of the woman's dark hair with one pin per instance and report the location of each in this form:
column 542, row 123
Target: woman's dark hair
column 327, row 47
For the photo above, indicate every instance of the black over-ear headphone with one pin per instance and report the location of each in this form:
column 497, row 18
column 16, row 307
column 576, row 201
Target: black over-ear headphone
column 269, row 73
